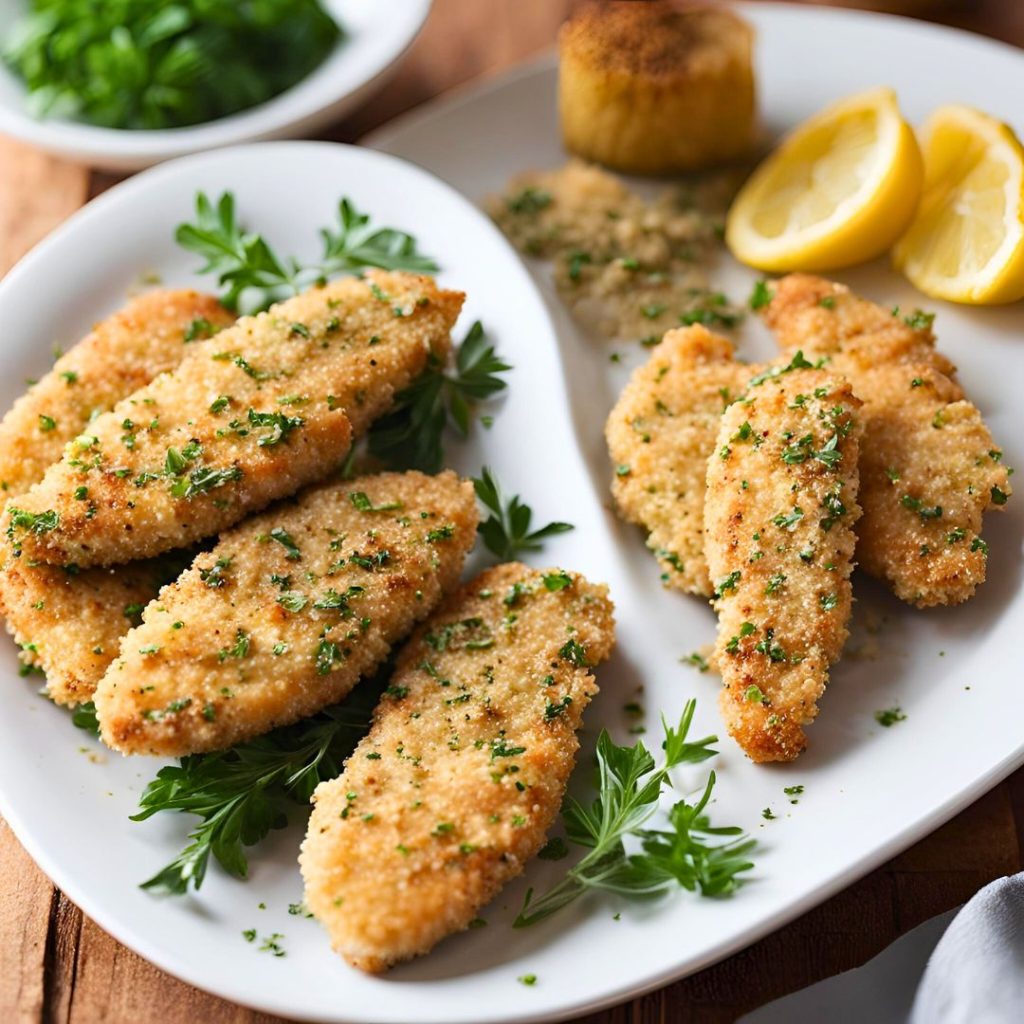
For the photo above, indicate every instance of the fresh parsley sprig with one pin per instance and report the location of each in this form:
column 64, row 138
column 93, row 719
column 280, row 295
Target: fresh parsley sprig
column 242, row 793
column 411, row 435
column 506, row 531
column 629, row 787
column 248, row 268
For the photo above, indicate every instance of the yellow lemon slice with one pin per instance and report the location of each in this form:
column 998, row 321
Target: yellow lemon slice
column 839, row 190
column 966, row 243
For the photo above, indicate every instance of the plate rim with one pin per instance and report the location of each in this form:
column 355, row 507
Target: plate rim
column 939, row 814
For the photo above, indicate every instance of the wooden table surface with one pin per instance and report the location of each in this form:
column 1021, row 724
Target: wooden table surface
column 56, row 965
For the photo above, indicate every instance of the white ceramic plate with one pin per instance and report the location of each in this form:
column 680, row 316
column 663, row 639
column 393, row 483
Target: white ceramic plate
column 377, row 35
column 868, row 791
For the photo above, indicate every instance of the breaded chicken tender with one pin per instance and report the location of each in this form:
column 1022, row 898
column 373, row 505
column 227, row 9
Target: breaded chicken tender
column 464, row 768
column 70, row 625
column 251, row 415
column 118, row 356
column 286, row 613
column 660, row 434
column 929, row 468
column 779, row 515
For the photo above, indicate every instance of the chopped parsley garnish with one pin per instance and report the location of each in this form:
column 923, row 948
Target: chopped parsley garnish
column 199, row 328
column 364, row 504
column 697, row 660
column 333, row 601
column 138, row 65
column 285, row 539
column 529, row 200
column 280, row 426
column 924, row 511
column 47, row 423
column 240, row 648
column 499, row 748
column 890, row 716
column 292, row 600
column 573, row 652
column 788, row 520
column 727, row 583
column 919, row 320
column 204, row 479
column 32, row 522
column 326, row 654
column 214, row 575
column 557, row 580
column 761, row 296
column 798, row 362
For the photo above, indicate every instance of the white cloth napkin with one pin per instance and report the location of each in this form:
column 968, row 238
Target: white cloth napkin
column 962, row 967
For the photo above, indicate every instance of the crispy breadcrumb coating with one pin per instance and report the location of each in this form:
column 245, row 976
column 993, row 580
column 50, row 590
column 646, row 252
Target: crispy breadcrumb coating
column 464, row 769
column 69, row 626
column 779, row 515
column 251, row 415
column 660, row 435
column 929, row 468
column 286, row 613
column 118, row 356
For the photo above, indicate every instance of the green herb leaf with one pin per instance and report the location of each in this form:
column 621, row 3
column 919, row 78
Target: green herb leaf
column 629, row 787
column 411, row 435
column 246, row 265
column 136, row 64
column 506, row 532
column 242, row 793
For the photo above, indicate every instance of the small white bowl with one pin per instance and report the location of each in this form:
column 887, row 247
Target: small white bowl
column 376, row 36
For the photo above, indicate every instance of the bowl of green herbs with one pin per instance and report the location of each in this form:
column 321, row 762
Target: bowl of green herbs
column 123, row 84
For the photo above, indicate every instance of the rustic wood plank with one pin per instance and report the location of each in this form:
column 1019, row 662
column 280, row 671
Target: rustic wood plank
column 38, row 192
column 26, row 899
column 58, row 966
column 113, row 984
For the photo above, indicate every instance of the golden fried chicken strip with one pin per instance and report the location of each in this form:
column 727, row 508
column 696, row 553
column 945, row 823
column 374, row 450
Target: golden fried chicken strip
column 286, row 613
column 251, row 415
column 118, row 356
column 464, row 769
column 929, row 468
column 660, row 435
column 69, row 626
column 779, row 515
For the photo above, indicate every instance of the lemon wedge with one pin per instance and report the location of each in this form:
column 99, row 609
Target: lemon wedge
column 966, row 243
column 839, row 190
